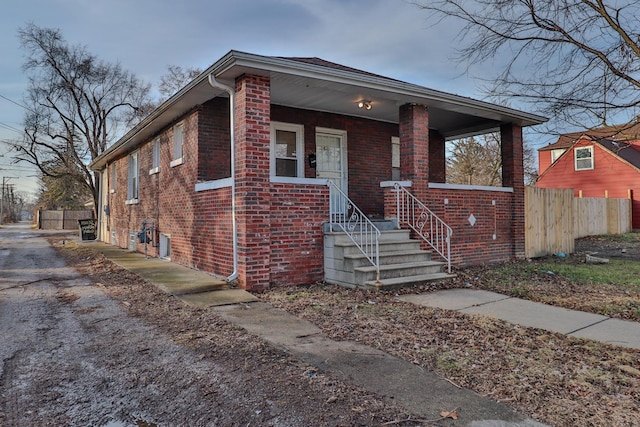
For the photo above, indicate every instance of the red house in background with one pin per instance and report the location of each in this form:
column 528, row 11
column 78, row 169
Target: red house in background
column 603, row 162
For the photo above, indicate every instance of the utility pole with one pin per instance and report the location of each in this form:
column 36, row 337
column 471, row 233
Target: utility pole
column 4, row 180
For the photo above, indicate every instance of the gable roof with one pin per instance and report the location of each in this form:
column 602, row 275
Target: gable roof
column 328, row 64
column 320, row 85
column 626, row 132
column 628, row 153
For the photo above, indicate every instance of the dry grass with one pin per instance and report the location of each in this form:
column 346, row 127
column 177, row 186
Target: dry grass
column 558, row 380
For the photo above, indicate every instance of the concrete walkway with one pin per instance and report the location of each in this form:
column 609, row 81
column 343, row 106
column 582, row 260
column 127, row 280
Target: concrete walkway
column 193, row 287
column 421, row 392
column 533, row 314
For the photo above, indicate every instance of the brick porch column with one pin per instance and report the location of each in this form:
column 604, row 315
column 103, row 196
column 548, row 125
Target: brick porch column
column 437, row 157
column 513, row 176
column 414, row 147
column 253, row 201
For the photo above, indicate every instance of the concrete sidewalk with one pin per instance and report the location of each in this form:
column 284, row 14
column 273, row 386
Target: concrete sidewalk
column 194, row 287
column 421, row 392
column 533, row 314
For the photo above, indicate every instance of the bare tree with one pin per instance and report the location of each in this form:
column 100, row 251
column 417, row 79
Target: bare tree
column 77, row 106
column 475, row 161
column 579, row 59
column 478, row 161
column 175, row 79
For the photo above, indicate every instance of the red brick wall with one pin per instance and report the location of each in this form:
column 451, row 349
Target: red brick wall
column 437, row 157
column 252, row 135
column 297, row 241
column 513, row 176
column 212, row 233
column 414, row 146
column 199, row 222
column 497, row 214
column 471, row 244
column 369, row 151
column 214, row 145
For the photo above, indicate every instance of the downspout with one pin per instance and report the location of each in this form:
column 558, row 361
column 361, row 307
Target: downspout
column 216, row 84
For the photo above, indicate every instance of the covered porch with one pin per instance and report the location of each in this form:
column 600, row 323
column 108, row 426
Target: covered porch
column 313, row 122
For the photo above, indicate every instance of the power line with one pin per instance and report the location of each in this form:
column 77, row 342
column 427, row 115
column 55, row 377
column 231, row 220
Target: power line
column 14, row 102
column 16, row 168
column 11, row 128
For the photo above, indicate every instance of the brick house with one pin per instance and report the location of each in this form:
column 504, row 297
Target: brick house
column 603, row 162
column 319, row 151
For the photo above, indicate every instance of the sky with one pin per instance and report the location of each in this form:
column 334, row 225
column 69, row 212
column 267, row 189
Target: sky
column 393, row 38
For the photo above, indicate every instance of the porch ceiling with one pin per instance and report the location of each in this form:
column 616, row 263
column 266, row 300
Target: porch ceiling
column 300, row 92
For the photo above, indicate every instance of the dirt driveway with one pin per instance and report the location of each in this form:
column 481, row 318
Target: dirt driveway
column 109, row 350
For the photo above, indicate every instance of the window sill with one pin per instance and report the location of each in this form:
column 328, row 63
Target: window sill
column 154, row 171
column 176, row 162
column 469, row 187
column 295, row 180
column 214, row 184
column 132, row 202
column 113, row 190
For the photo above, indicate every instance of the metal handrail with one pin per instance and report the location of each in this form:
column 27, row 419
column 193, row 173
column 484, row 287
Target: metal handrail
column 424, row 222
column 350, row 219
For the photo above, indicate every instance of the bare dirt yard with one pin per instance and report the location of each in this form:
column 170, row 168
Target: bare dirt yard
column 558, row 380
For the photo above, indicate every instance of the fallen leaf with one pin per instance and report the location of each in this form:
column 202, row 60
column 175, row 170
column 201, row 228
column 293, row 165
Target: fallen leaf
column 446, row 414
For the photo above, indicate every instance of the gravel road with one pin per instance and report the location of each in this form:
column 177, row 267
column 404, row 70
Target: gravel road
column 72, row 355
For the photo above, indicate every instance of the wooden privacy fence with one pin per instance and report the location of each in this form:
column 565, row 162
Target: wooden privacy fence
column 554, row 218
column 62, row 220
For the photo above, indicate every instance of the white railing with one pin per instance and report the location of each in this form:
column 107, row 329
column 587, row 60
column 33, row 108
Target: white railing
column 344, row 214
column 424, row 222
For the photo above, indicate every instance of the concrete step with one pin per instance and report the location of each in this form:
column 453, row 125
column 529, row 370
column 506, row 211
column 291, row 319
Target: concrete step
column 385, row 236
column 368, row 273
column 399, row 282
column 386, row 258
column 381, row 225
column 383, row 247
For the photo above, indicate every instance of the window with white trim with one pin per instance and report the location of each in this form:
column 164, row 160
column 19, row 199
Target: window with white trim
column 133, row 176
column 287, row 150
column 155, row 157
column 583, row 158
column 178, row 140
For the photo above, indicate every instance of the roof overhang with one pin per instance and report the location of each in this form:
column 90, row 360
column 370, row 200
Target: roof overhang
column 329, row 89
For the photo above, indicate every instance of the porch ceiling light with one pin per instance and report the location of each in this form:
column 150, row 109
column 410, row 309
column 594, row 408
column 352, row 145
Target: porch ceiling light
column 364, row 104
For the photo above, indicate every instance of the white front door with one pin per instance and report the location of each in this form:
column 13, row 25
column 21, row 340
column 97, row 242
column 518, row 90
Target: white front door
column 331, row 160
